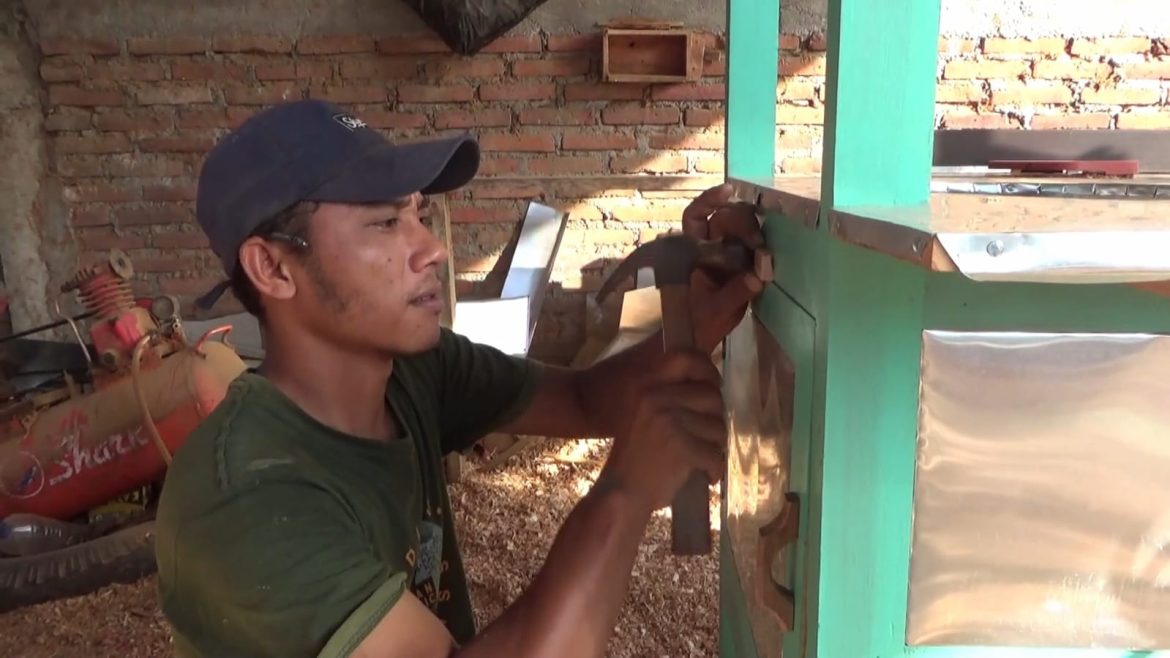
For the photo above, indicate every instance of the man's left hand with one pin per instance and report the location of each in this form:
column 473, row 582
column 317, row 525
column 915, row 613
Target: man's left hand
column 717, row 307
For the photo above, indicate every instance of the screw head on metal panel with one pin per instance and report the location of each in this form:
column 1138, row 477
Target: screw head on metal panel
column 995, row 248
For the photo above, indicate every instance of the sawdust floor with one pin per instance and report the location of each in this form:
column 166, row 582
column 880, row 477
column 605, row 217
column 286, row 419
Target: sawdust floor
column 507, row 517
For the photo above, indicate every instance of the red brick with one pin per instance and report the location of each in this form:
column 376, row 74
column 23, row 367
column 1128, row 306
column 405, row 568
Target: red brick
column 807, row 65
column 967, row 120
column 574, row 42
column 799, row 114
column 166, row 46
column 1070, row 69
column 90, row 216
column 709, row 165
column 1041, row 46
column 568, row 164
column 801, row 165
column 553, row 116
column 176, row 144
column 105, row 238
column 517, row 92
column 445, row 69
column 380, row 66
column 1111, row 46
column 181, row 240
column 393, row 120
column 100, row 192
column 77, row 166
column 120, row 70
column 210, row 118
column 797, row 138
column 494, row 117
column 705, row 141
column 591, row 91
column 266, row 94
column 80, row 47
column 1154, row 69
column 960, row 91
column 252, row 44
column 433, row 94
column 789, row 42
column 648, row 212
column 108, row 143
column 173, row 94
column 702, row 117
column 561, row 66
column 706, row 92
column 518, row 44
column 629, row 114
column 507, row 191
column 1122, row 95
column 714, row 64
column 61, row 71
column 537, row 142
column 173, row 192
column 412, row 45
column 284, row 71
column 169, row 264
column 335, row 44
column 133, row 215
column 350, row 94
column 500, row 166
column 1143, row 121
column 658, row 164
column 1079, row 121
column 152, row 120
column 989, row 69
column 77, row 96
column 598, row 141
column 207, row 70
column 818, row 42
column 477, row 215
column 64, row 119
column 1018, row 93
column 144, row 165
column 174, row 285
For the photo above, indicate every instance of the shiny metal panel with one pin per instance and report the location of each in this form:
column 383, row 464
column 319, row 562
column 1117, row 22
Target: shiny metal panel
column 759, row 386
column 1074, row 257
column 1042, row 493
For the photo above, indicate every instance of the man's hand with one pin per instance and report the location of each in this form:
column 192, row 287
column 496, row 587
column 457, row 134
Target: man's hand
column 677, row 426
column 718, row 307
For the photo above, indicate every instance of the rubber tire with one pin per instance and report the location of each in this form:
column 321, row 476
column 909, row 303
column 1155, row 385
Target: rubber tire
column 123, row 556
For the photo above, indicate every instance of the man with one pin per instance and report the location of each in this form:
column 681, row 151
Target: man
column 308, row 516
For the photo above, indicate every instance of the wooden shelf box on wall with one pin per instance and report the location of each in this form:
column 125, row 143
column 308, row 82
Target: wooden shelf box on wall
column 651, row 55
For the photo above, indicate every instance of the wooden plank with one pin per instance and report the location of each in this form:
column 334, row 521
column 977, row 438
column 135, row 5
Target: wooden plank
column 879, row 111
column 753, row 42
column 441, row 227
column 956, row 148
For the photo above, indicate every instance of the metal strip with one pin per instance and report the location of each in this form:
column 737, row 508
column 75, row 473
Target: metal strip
column 1075, row 257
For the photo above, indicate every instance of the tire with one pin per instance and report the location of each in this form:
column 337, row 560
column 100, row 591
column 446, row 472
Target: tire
column 123, row 556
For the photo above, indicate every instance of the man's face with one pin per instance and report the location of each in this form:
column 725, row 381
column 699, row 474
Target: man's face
column 371, row 278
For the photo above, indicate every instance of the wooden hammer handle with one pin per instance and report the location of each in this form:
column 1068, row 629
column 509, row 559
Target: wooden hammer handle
column 690, row 530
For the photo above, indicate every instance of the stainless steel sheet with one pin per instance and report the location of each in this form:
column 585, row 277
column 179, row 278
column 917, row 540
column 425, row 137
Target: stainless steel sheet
column 1042, row 498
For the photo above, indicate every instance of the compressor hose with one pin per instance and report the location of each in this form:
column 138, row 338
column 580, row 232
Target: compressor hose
column 135, row 362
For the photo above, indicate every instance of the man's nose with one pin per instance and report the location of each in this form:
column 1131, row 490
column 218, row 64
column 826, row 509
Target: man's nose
column 428, row 248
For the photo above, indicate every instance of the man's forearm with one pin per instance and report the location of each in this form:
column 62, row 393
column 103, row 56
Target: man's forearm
column 605, row 387
column 571, row 607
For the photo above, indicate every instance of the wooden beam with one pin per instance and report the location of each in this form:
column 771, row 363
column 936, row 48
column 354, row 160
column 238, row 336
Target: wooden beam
column 879, row 114
column 753, row 43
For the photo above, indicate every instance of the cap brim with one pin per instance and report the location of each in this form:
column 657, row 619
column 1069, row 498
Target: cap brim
column 396, row 170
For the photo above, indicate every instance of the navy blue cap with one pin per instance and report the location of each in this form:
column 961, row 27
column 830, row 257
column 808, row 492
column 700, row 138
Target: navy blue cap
column 312, row 150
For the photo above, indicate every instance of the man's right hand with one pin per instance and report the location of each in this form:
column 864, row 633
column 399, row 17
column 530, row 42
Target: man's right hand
column 678, row 425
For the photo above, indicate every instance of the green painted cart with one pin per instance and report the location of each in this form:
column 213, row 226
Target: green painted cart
column 951, row 411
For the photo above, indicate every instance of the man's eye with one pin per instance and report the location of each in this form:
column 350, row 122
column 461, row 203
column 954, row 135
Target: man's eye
column 388, row 222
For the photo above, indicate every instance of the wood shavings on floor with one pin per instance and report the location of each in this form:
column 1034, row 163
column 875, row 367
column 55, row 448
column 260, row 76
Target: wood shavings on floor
column 507, row 520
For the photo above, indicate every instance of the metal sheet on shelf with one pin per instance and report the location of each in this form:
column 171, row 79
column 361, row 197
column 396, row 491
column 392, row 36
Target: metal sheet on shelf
column 1042, row 495
column 759, row 386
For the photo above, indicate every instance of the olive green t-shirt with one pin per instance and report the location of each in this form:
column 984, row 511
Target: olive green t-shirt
column 279, row 536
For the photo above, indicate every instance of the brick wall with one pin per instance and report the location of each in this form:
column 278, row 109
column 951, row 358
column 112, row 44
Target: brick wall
column 130, row 120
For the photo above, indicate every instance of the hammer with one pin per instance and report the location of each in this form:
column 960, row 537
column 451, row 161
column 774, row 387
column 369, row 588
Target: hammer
column 674, row 258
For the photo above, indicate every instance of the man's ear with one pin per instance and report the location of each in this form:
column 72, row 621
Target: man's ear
column 268, row 268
